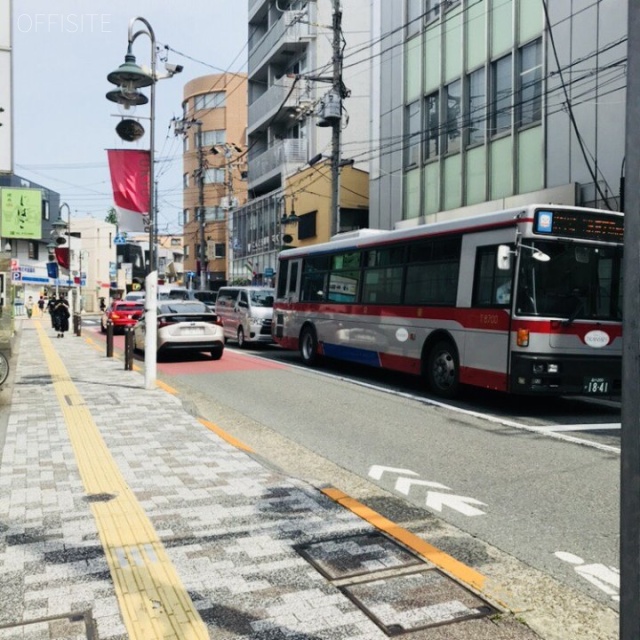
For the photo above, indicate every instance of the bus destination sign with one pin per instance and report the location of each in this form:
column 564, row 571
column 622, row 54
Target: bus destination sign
column 586, row 225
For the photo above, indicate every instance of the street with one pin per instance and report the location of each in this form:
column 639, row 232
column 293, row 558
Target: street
column 537, row 480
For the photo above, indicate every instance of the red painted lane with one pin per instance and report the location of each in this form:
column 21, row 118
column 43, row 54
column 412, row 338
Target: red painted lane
column 230, row 362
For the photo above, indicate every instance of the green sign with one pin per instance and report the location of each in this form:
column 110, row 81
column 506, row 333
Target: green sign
column 21, row 211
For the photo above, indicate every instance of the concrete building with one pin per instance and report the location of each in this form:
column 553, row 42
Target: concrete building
column 214, row 131
column 289, row 75
column 483, row 104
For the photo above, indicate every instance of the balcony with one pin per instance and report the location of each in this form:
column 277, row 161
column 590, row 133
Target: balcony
column 268, row 104
column 271, row 162
column 286, row 37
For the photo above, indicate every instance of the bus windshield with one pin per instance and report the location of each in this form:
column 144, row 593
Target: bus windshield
column 578, row 282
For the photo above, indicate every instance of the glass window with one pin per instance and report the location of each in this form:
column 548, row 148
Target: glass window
column 530, row 83
column 453, row 123
column 314, row 279
column 212, row 100
column 432, row 272
column 414, row 14
column 282, row 278
column 185, row 216
column 502, row 93
column 215, row 136
column 45, row 209
column 214, row 176
column 185, row 180
column 413, row 134
column 432, row 10
column 431, row 126
column 476, row 106
column 492, row 286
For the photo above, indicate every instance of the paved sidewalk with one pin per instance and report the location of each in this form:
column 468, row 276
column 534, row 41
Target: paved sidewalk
column 123, row 516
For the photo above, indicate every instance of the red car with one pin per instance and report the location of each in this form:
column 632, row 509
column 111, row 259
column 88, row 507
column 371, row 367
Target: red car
column 122, row 313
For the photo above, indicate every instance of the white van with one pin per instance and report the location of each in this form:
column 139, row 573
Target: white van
column 245, row 313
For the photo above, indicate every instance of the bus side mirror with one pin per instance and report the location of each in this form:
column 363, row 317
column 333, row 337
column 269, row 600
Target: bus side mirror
column 504, row 258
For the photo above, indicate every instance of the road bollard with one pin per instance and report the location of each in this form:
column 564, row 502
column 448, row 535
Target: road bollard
column 77, row 324
column 109, row 339
column 128, row 348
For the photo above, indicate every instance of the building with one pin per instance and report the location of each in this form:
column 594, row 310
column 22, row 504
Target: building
column 484, row 104
column 214, row 156
column 290, row 71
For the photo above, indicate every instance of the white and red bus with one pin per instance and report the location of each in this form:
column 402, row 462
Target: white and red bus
column 525, row 301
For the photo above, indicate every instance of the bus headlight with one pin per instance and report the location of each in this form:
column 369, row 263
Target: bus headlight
column 522, row 338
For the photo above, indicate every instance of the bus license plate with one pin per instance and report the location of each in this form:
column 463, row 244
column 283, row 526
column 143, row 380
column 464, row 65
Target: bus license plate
column 597, row 386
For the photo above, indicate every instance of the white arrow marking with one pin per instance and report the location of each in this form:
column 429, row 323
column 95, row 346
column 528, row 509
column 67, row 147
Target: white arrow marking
column 377, row 470
column 403, row 485
column 462, row 504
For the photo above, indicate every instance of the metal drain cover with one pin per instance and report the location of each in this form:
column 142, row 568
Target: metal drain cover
column 404, row 603
column 356, row 555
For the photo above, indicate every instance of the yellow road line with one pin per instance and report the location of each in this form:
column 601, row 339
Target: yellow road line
column 227, row 437
column 153, row 601
column 452, row 566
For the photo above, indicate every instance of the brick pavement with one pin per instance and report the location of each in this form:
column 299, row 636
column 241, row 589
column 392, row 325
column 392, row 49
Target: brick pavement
column 231, row 528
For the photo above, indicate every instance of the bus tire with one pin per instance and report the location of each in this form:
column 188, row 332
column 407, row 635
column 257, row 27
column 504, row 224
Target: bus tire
column 309, row 346
column 442, row 369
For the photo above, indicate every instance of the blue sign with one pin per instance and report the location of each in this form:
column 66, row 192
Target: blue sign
column 52, row 269
column 120, row 240
column 268, row 272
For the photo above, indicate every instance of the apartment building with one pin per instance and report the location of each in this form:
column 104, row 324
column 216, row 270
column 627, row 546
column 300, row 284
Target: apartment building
column 290, row 68
column 483, row 104
column 214, row 159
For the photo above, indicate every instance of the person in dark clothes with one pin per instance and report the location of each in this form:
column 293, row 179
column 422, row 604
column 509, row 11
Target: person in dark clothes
column 50, row 307
column 61, row 313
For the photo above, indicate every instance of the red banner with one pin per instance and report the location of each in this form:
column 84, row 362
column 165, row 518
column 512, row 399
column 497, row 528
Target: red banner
column 130, row 182
column 62, row 256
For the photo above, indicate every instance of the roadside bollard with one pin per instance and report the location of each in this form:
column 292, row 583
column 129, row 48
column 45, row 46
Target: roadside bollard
column 128, row 348
column 77, row 324
column 109, row 339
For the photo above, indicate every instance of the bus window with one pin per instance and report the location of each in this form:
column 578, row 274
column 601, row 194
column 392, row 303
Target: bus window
column 492, row 286
column 283, row 272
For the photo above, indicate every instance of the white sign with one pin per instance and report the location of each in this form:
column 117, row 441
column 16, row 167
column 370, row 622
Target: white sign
column 127, row 268
column 597, row 339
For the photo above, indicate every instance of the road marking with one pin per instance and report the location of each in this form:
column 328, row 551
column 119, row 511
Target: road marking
column 404, row 485
column 462, row 504
column 377, row 470
column 607, row 579
column 611, row 426
column 153, row 601
column 452, row 566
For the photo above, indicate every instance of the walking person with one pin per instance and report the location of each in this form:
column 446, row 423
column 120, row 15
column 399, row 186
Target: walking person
column 28, row 305
column 41, row 305
column 50, row 307
column 61, row 315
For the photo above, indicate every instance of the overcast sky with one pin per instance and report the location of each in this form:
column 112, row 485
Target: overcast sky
column 63, row 123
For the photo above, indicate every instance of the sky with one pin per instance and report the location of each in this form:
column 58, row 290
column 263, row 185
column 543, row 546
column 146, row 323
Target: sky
column 63, row 51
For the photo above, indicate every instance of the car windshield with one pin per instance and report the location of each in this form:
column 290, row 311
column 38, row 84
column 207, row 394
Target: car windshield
column 262, row 298
column 579, row 281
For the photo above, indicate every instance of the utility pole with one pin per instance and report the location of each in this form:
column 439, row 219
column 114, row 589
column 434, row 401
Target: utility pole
column 630, row 433
column 200, row 174
column 338, row 94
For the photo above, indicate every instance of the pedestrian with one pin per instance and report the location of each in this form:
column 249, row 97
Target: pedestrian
column 50, row 307
column 61, row 313
column 41, row 305
column 28, row 305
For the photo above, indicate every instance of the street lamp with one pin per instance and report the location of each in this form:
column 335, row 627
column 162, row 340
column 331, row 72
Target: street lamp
column 129, row 78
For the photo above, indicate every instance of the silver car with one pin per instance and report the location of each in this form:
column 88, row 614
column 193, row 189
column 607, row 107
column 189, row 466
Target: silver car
column 183, row 325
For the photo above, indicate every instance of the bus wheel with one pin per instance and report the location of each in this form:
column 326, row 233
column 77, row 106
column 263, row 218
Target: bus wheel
column 442, row 369
column 309, row 345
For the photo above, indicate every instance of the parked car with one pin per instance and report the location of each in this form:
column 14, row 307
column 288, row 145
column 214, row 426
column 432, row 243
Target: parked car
column 122, row 313
column 246, row 313
column 183, row 325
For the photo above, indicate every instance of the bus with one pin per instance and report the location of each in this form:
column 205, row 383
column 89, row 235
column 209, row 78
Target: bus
column 525, row 301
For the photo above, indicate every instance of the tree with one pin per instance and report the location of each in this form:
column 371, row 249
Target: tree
column 112, row 216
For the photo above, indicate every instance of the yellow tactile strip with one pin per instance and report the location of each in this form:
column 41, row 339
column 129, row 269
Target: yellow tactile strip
column 152, row 599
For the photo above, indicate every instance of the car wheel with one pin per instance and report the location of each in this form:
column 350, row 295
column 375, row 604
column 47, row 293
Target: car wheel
column 309, row 346
column 241, row 340
column 442, row 369
column 216, row 354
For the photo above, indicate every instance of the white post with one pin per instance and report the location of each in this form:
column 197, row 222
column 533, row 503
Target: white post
column 151, row 334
